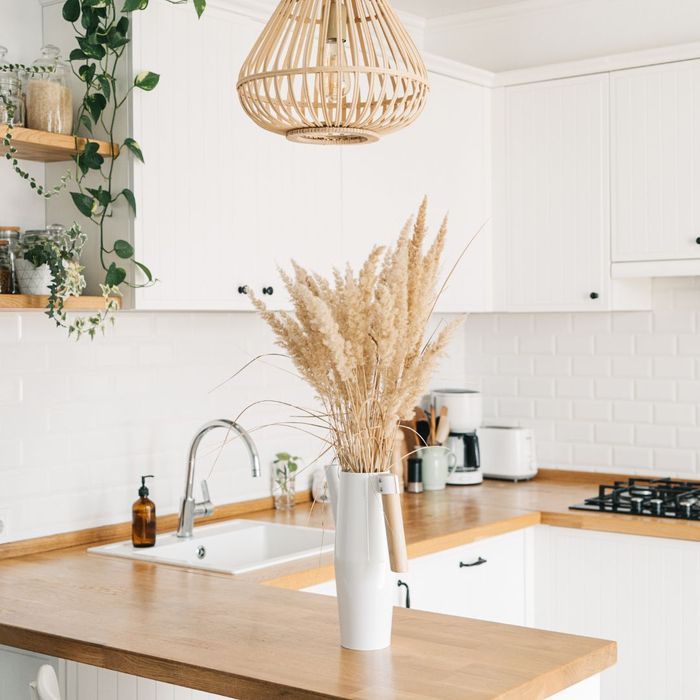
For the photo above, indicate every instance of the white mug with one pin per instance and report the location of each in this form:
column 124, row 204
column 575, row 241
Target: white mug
column 437, row 463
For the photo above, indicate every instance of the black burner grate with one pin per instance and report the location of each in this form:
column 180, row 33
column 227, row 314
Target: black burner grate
column 665, row 498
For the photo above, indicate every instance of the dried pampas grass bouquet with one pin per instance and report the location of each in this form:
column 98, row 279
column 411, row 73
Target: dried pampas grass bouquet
column 360, row 341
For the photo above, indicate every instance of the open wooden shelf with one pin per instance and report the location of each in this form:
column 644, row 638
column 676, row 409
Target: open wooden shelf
column 43, row 147
column 27, row 302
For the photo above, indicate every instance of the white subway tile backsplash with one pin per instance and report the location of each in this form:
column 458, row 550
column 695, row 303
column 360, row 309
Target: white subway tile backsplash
column 655, row 435
column 612, row 388
column 674, row 414
column 592, row 456
column 536, row 387
column 81, row 421
column 632, row 322
column 626, row 386
column 592, row 410
column 678, row 321
column 578, row 344
column 592, row 366
column 553, row 366
column 655, row 390
column 554, row 409
column 614, row 344
column 656, row 344
column 614, row 433
column 635, row 366
column 574, row 388
column 633, row 411
column 574, row 432
column 674, row 367
column 633, row 457
column 678, row 461
column 540, row 344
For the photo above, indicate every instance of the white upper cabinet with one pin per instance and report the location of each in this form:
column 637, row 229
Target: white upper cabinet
column 222, row 203
column 551, row 189
column 655, row 163
column 444, row 155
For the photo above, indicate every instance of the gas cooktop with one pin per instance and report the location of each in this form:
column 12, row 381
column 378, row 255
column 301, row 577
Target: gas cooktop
column 659, row 498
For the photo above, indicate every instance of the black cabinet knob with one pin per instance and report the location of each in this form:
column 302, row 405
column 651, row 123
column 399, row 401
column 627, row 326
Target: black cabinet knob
column 243, row 289
column 594, row 295
column 268, row 290
column 697, row 240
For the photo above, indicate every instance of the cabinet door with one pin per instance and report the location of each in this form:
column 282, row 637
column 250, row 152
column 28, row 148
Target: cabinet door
column 91, row 683
column 19, row 668
column 552, row 195
column 639, row 591
column 445, row 155
column 484, row 580
column 656, row 162
column 221, row 202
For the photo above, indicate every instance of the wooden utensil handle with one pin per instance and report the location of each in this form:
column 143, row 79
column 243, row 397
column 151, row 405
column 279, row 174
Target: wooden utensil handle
column 393, row 520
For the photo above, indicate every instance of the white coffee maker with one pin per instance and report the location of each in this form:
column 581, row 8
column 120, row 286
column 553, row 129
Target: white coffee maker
column 464, row 411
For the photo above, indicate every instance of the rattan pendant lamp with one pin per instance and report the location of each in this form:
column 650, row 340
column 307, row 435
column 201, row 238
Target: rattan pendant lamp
column 333, row 72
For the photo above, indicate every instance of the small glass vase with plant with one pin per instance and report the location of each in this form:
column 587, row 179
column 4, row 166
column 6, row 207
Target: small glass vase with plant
column 284, row 471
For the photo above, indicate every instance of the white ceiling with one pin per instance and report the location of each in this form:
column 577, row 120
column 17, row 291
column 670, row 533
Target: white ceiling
column 525, row 33
column 441, row 8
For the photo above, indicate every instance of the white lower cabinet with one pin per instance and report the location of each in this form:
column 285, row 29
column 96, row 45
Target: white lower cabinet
column 640, row 591
column 90, row 683
column 19, row 668
column 485, row 580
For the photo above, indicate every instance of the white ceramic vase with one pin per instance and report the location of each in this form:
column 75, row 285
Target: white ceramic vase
column 362, row 571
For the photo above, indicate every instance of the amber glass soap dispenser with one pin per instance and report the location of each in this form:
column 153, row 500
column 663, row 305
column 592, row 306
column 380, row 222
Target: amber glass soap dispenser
column 143, row 523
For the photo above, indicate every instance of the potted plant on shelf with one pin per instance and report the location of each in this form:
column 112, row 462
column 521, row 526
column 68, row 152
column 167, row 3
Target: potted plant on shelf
column 360, row 342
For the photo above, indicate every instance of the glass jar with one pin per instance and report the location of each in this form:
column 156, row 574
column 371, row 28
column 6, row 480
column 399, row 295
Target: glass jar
column 49, row 99
column 9, row 237
column 11, row 98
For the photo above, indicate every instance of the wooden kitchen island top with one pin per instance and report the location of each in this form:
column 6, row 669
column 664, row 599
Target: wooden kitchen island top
column 232, row 636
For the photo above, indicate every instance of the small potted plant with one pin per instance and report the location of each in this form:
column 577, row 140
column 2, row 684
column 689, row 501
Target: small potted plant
column 284, row 472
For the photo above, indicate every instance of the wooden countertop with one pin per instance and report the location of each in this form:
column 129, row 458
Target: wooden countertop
column 231, row 636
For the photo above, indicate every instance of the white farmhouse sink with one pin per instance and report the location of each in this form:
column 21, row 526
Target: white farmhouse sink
column 232, row 547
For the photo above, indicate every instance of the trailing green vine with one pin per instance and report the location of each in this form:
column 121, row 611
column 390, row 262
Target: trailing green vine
column 102, row 36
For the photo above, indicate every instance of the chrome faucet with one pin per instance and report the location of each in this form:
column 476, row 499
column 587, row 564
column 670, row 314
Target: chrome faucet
column 189, row 508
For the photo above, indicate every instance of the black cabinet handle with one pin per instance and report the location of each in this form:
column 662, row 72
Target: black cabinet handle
column 268, row 290
column 594, row 295
column 403, row 584
column 478, row 562
column 243, row 289
column 697, row 240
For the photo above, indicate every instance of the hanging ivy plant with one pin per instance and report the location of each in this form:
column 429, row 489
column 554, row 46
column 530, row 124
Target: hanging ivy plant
column 102, row 36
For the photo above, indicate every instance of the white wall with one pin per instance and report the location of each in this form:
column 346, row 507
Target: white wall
column 613, row 392
column 79, row 422
column 537, row 32
column 20, row 32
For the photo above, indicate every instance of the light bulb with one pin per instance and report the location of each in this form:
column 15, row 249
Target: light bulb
column 335, row 84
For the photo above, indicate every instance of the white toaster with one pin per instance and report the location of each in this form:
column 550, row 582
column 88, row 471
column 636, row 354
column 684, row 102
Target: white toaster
column 507, row 453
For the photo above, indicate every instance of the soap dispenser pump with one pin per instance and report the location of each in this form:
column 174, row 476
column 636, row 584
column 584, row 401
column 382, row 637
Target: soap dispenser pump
column 143, row 524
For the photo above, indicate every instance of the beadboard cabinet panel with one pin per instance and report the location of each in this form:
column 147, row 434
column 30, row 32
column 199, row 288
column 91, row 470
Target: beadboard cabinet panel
column 19, row 668
column 655, row 160
column 639, row 591
column 552, row 186
column 91, row 683
column 445, row 155
column 221, row 202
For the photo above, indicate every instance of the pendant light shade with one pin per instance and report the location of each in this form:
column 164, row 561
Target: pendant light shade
column 333, row 72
